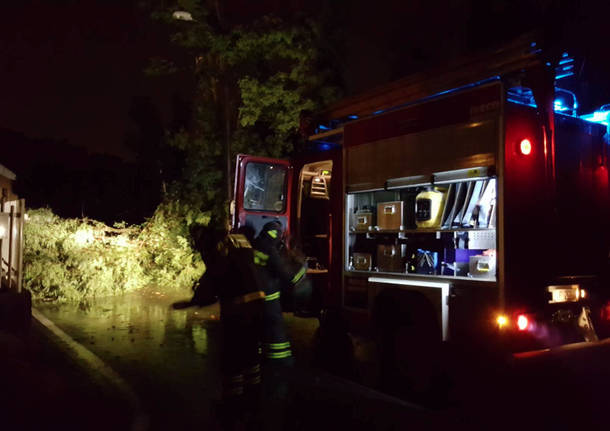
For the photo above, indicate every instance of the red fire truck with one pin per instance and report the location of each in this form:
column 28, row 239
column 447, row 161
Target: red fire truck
column 462, row 206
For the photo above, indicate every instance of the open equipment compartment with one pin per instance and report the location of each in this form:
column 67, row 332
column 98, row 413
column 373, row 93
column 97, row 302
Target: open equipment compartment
column 422, row 195
column 423, row 205
column 445, row 226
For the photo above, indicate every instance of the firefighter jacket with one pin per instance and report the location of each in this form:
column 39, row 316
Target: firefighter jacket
column 278, row 273
column 232, row 276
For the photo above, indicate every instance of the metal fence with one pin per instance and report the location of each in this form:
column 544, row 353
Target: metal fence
column 12, row 218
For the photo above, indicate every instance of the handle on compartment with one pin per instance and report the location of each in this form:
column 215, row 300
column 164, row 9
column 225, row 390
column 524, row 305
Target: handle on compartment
column 482, row 266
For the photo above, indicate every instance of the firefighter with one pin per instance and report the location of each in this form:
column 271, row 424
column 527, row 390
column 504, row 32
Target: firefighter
column 279, row 274
column 232, row 277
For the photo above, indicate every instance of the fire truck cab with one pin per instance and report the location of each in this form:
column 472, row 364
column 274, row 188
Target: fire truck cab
column 469, row 206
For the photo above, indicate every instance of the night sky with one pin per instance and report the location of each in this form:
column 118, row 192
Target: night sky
column 71, row 69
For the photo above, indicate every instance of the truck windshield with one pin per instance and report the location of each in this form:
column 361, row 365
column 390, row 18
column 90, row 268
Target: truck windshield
column 264, row 187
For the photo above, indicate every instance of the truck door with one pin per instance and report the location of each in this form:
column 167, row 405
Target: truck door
column 262, row 193
column 317, row 222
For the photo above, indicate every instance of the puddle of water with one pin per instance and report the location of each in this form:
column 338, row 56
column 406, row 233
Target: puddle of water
column 170, row 357
column 160, row 351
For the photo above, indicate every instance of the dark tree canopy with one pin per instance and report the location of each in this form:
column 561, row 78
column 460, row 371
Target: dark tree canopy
column 253, row 81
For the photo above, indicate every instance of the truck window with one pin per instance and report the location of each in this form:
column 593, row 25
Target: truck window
column 264, row 188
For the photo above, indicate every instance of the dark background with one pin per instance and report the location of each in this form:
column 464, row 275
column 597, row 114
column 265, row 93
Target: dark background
column 82, row 126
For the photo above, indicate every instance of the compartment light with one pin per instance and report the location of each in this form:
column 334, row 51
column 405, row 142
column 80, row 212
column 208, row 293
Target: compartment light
column 522, row 322
column 525, row 147
column 583, row 293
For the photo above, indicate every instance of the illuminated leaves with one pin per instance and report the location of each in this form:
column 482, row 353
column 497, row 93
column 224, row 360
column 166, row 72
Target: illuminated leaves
column 78, row 259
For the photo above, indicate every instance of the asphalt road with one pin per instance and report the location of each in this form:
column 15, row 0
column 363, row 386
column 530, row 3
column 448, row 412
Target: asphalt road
column 169, row 360
column 162, row 367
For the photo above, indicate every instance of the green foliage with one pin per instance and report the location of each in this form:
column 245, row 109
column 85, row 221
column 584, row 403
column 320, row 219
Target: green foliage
column 253, row 83
column 166, row 255
column 79, row 259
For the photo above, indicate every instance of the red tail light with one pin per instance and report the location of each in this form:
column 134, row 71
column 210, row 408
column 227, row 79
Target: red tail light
column 522, row 322
column 525, row 147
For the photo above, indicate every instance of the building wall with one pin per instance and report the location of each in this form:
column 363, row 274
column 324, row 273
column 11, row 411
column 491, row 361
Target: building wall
column 7, row 184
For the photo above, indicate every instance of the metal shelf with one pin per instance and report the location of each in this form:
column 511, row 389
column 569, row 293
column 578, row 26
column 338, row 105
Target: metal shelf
column 423, row 230
column 412, row 275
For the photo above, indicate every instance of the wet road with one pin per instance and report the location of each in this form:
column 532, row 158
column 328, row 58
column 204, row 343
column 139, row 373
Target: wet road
column 170, row 359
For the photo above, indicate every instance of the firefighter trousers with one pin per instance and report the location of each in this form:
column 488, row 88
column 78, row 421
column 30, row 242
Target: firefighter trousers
column 241, row 365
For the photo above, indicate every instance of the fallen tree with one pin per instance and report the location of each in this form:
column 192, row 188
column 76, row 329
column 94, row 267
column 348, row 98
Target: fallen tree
column 80, row 259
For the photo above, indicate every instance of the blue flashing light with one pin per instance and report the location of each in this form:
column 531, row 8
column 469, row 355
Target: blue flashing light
column 521, row 96
column 534, row 48
column 378, row 112
column 548, row 63
column 520, row 102
column 600, row 116
column 565, row 67
column 597, row 117
column 323, row 145
column 564, row 75
column 352, row 117
column 559, row 106
column 565, row 102
column 323, row 127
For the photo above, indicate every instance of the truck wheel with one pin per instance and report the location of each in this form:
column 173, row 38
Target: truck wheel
column 410, row 349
